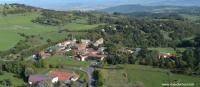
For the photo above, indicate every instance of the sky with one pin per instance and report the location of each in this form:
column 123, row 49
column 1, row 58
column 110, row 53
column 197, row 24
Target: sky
column 96, row 4
column 77, row 4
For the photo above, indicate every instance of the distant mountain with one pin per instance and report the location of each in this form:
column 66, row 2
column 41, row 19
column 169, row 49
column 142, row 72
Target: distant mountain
column 78, row 4
column 98, row 4
column 178, row 2
column 141, row 8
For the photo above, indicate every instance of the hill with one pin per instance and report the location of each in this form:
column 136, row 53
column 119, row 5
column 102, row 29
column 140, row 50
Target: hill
column 178, row 2
column 16, row 19
column 142, row 8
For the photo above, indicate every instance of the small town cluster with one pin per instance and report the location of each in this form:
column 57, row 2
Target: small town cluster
column 80, row 50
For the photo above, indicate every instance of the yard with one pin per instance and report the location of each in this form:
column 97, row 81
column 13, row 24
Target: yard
column 64, row 60
column 128, row 75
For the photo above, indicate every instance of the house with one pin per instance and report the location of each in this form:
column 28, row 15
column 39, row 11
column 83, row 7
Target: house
column 44, row 54
column 54, row 76
column 88, row 52
column 63, row 75
column 68, row 49
column 103, row 30
column 166, row 55
column 65, row 43
column 74, row 77
column 41, row 54
column 99, row 42
column 137, row 50
column 82, row 57
column 59, row 45
column 35, row 57
column 33, row 79
column 101, row 50
column 85, row 41
column 82, row 46
column 130, row 51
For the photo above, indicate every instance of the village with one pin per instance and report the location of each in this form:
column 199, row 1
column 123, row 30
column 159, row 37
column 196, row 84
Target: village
column 79, row 50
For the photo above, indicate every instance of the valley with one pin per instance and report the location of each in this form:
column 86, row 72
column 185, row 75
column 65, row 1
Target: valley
column 122, row 46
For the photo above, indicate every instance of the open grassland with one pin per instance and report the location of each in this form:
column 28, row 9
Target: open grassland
column 80, row 26
column 128, row 75
column 11, row 25
column 14, row 80
column 167, row 50
column 66, row 61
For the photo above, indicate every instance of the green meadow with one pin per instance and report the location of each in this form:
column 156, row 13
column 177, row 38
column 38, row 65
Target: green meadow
column 129, row 75
column 11, row 25
column 167, row 50
column 80, row 26
column 65, row 60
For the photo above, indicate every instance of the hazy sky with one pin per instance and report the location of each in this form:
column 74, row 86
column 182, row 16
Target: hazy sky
column 98, row 4
column 77, row 4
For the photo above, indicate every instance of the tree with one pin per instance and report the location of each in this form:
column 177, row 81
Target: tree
column 197, row 56
column 1, row 68
column 131, row 59
column 189, row 57
column 28, row 71
column 40, row 64
column 49, row 40
column 98, row 77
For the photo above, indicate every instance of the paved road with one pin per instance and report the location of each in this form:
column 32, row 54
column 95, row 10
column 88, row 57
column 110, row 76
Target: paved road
column 89, row 70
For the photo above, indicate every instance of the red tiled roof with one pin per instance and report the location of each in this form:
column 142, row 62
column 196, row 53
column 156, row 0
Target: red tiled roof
column 60, row 74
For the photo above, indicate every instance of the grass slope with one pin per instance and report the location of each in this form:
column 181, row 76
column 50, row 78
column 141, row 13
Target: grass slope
column 127, row 75
column 80, row 26
column 10, row 25
column 64, row 60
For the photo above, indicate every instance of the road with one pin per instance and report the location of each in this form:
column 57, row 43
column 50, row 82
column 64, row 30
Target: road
column 89, row 70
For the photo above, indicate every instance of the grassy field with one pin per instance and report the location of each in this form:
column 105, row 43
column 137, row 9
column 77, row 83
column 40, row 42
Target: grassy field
column 10, row 25
column 167, row 50
column 56, row 60
column 80, row 26
column 15, row 81
column 127, row 75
